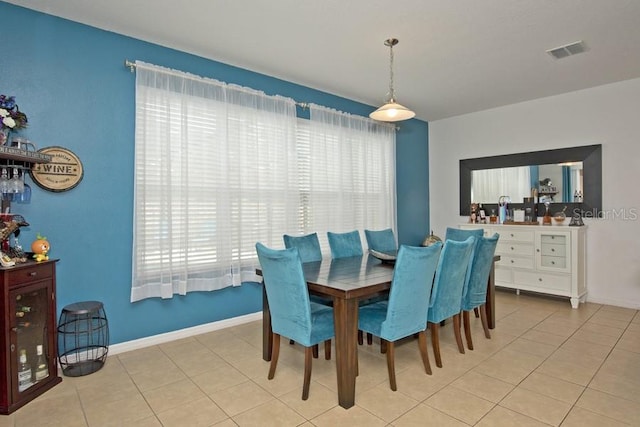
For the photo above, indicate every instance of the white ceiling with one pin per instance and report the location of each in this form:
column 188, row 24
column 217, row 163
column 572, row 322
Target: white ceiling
column 454, row 56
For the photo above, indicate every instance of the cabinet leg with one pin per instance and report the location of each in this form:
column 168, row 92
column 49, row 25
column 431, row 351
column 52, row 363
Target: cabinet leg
column 575, row 302
column 517, row 291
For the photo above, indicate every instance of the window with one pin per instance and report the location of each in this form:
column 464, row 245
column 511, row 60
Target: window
column 220, row 167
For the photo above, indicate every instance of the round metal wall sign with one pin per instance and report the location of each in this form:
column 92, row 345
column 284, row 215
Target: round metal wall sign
column 63, row 173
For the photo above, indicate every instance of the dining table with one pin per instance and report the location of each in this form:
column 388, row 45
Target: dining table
column 346, row 281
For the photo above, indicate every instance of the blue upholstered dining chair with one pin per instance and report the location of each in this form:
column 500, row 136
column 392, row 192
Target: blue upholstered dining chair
column 475, row 292
column 406, row 312
column 309, row 249
column 446, row 296
column 345, row 245
column 381, row 240
column 459, row 234
column 293, row 315
column 308, row 246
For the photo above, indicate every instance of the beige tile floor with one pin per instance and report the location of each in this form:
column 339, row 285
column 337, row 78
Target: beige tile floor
column 546, row 364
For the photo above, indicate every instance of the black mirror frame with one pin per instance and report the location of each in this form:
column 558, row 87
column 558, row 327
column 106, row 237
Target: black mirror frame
column 589, row 155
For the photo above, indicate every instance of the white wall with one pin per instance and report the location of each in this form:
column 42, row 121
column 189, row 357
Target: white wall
column 607, row 115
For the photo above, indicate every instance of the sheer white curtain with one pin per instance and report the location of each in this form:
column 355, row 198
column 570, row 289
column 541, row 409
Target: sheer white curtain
column 351, row 177
column 489, row 184
column 215, row 171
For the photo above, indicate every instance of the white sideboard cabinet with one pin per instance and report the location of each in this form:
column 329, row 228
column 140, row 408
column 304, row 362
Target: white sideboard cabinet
column 538, row 258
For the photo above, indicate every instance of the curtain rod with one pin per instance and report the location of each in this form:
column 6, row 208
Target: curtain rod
column 132, row 67
column 304, row 105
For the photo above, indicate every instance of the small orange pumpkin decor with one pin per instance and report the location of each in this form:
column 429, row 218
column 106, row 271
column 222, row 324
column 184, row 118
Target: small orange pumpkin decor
column 40, row 248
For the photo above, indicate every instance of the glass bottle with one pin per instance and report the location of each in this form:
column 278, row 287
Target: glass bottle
column 546, row 219
column 493, row 219
column 24, row 372
column 22, row 309
column 42, row 370
column 25, row 308
column 4, row 181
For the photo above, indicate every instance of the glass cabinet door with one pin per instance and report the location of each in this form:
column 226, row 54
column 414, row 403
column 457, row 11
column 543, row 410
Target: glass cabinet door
column 29, row 307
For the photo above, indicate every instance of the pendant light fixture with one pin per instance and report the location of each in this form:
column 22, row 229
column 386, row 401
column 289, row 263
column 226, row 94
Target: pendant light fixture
column 391, row 111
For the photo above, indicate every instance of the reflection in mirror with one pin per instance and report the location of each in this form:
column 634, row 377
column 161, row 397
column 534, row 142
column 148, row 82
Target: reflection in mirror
column 556, row 183
column 574, row 174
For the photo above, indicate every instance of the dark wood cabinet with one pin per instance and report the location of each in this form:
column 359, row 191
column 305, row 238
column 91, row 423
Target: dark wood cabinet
column 28, row 320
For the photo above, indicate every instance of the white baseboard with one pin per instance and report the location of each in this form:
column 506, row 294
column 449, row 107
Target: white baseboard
column 618, row 303
column 182, row 333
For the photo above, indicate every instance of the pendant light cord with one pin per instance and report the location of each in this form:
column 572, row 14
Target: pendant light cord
column 392, row 95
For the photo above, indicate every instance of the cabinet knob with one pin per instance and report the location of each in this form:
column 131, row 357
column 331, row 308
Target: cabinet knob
column 512, row 248
column 537, row 250
column 553, row 250
column 553, row 262
column 539, row 279
column 512, row 261
column 33, row 274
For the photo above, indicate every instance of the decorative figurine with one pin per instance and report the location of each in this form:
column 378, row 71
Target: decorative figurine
column 473, row 218
column 40, row 248
column 576, row 219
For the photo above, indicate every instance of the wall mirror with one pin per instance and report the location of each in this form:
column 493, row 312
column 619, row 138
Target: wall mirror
column 569, row 177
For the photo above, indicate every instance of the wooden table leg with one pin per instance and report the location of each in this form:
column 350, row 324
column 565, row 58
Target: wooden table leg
column 267, row 334
column 490, row 306
column 345, row 312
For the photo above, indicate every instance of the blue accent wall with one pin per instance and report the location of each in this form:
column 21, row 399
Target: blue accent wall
column 71, row 81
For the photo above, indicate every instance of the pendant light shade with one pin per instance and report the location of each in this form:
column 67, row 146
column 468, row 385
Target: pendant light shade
column 391, row 111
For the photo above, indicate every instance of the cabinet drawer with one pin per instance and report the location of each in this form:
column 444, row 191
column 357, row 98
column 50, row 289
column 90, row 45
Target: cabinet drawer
column 553, row 239
column 553, row 261
column 553, row 250
column 508, row 261
column 543, row 281
column 29, row 273
column 513, row 248
column 516, row 235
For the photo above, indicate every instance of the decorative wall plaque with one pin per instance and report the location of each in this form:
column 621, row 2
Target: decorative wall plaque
column 63, row 173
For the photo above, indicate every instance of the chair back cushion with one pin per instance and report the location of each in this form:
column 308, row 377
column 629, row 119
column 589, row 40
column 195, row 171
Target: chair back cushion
column 475, row 293
column 410, row 291
column 308, row 246
column 451, row 275
column 382, row 240
column 345, row 245
column 459, row 235
column 287, row 292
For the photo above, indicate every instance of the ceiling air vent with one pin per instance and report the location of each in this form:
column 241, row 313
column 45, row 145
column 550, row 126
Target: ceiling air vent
column 567, row 50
